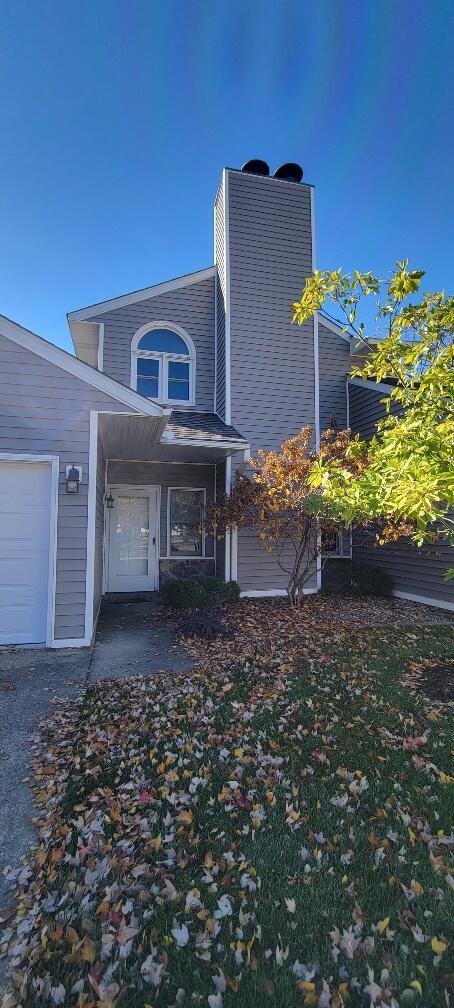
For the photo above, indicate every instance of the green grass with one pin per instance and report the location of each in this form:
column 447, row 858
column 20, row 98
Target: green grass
column 307, row 729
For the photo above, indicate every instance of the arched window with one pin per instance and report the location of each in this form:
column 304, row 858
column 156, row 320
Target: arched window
column 163, row 364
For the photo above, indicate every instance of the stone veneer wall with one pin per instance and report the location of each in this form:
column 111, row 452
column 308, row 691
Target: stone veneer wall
column 185, row 568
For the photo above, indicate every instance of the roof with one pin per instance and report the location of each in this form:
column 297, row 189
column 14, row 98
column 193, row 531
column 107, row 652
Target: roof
column 79, row 369
column 176, row 283
column 206, row 428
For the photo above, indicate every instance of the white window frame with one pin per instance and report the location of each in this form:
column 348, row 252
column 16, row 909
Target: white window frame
column 178, row 556
column 342, row 551
column 164, row 359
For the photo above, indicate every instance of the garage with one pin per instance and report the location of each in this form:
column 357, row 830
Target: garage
column 26, row 532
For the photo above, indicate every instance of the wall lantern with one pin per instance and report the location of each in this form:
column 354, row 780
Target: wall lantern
column 109, row 500
column 73, row 478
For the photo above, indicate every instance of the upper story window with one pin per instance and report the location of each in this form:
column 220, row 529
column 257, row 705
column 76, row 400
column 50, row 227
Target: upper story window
column 163, row 364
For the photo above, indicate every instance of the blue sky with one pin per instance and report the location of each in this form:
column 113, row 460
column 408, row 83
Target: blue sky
column 117, row 117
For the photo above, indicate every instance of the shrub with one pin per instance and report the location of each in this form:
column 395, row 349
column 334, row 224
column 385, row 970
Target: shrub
column 203, row 623
column 198, row 592
column 368, row 579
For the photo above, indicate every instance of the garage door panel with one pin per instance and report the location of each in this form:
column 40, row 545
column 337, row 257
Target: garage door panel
column 25, row 511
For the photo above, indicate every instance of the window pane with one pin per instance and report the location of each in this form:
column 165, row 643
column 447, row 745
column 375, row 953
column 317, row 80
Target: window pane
column 148, row 367
column 179, row 390
column 131, row 547
column 148, row 387
column 186, row 515
column 179, row 370
column 163, row 341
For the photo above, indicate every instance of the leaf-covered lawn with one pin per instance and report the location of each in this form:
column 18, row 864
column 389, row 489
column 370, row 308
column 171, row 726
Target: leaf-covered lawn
column 273, row 829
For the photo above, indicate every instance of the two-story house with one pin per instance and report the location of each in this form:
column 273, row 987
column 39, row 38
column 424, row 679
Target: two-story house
column 107, row 456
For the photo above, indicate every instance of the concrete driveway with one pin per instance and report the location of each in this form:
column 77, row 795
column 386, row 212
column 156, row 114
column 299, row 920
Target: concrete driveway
column 132, row 639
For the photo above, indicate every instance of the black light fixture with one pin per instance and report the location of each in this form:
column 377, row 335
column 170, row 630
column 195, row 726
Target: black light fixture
column 109, row 500
column 72, row 480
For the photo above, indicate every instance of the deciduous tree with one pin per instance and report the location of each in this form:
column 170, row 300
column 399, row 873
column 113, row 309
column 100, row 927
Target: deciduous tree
column 409, row 480
column 290, row 516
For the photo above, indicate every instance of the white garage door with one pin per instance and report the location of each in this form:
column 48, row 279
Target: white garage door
column 25, row 509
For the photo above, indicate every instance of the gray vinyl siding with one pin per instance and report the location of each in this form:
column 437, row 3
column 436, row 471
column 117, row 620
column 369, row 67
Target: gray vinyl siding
column 192, row 308
column 45, row 410
column 272, row 360
column 415, row 571
column 99, row 529
column 165, row 475
column 365, row 409
column 221, row 294
column 334, row 366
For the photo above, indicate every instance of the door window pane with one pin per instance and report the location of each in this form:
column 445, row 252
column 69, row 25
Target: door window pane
column 186, row 517
column 133, row 534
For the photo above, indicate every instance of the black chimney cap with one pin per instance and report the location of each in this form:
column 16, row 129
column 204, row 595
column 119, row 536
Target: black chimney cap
column 290, row 172
column 256, row 166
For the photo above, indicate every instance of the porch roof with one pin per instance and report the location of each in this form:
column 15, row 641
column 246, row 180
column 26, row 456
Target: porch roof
column 188, row 436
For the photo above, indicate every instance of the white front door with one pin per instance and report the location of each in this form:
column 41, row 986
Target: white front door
column 25, row 510
column 133, row 540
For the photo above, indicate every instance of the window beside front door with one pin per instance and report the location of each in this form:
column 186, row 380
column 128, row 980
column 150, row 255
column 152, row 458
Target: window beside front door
column 186, row 535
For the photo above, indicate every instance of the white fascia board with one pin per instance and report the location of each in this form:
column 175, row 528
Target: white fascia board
column 425, row 600
column 375, row 386
column 79, row 369
column 236, row 446
column 141, row 295
column 334, row 328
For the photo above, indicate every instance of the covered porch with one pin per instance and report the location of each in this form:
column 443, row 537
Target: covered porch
column 155, row 485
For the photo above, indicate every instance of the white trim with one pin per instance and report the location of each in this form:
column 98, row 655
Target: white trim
column 170, row 439
column 228, row 389
column 54, row 462
column 176, row 556
column 269, row 593
column 375, row 386
column 157, row 462
column 424, row 600
column 100, row 346
column 79, row 369
column 69, row 642
column 177, row 283
column 316, row 347
column 216, row 281
column 316, row 372
column 164, row 358
column 316, row 384
column 347, row 392
column 234, row 554
column 336, row 328
column 91, row 526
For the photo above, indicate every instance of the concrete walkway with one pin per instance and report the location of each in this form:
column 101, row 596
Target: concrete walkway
column 132, row 639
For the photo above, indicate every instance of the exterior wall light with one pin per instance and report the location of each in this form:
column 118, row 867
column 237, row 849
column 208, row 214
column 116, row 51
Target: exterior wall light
column 73, row 478
column 109, row 500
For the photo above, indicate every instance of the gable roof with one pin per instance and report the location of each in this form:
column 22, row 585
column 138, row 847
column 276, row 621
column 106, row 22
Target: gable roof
column 207, row 428
column 141, row 295
column 72, row 365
